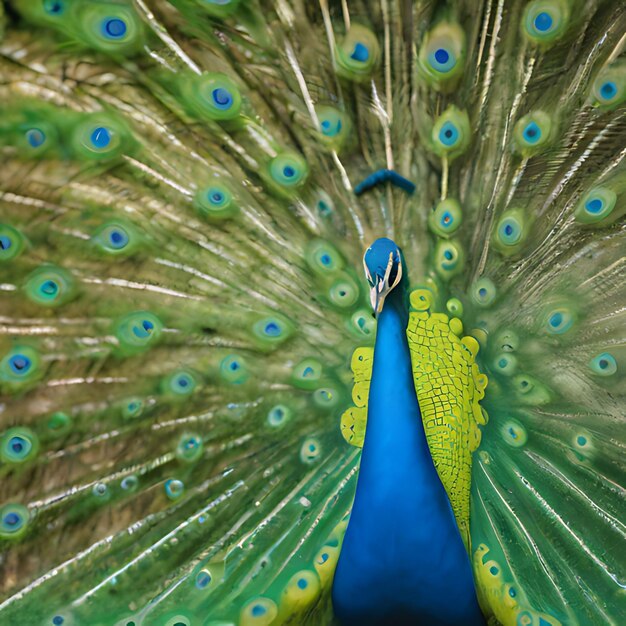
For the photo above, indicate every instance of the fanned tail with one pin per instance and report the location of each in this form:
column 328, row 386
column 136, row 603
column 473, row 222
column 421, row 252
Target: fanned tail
column 180, row 240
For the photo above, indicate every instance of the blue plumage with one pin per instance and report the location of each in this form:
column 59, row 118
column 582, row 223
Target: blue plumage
column 402, row 560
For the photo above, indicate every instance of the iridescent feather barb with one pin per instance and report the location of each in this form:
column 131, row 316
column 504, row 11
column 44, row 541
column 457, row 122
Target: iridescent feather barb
column 181, row 295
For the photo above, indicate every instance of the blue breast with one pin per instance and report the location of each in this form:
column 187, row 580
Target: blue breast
column 402, row 560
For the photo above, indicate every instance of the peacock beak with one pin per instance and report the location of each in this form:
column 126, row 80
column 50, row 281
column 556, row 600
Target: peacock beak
column 377, row 298
column 380, row 286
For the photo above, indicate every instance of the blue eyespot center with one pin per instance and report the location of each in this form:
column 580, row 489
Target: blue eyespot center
column 302, row 583
column 448, row 254
column 449, row 134
column 289, row 172
column 100, row 137
column 53, row 7
column 222, row 98
column 442, row 56
column 360, row 53
column 144, row 330
column 5, row 242
column 543, row 22
column 202, row 580
column 581, row 440
column 11, row 519
column 594, row 205
column 608, row 90
column 114, row 28
column 19, row 364
column 18, row 444
column 532, row 133
column 325, row 259
column 272, row 329
column 556, row 319
column 330, row 130
column 35, row 137
column 118, row 239
column 57, row 620
column 49, row 288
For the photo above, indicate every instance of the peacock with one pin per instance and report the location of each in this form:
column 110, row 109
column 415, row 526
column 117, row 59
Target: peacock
column 312, row 313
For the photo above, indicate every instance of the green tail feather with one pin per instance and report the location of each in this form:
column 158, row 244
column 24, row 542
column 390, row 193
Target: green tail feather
column 181, row 294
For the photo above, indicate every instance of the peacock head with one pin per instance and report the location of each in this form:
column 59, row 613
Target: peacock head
column 383, row 270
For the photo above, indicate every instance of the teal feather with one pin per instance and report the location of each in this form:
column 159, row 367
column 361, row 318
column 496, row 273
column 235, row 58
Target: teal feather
column 181, row 293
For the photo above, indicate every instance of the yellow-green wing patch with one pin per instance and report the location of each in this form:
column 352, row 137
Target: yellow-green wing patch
column 449, row 387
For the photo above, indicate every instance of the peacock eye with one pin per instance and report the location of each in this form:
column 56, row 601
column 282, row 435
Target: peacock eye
column 129, row 483
column 189, row 448
column 609, row 88
column 344, row 292
column 212, row 95
column 18, row 445
column 203, row 579
column 216, row 203
column 310, row 450
column 137, row 331
column 288, row 170
column 234, row 369
column 451, row 133
column 109, row 27
column 596, row 205
column 334, row 126
column 11, row 243
column 604, row 364
column 180, row 383
column 442, row 56
column 115, row 238
column 278, row 415
column 514, row 434
column 532, row 133
column 174, row 489
column 259, row 611
column 505, row 364
column 14, row 520
column 449, row 258
column 559, row 319
column 483, row 292
column 54, row 7
column 358, row 54
column 323, row 258
column 35, row 137
column 113, row 28
column 545, row 21
column 49, row 286
column 446, row 218
column 99, row 136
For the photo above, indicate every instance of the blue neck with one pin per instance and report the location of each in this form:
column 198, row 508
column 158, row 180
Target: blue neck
column 402, row 556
